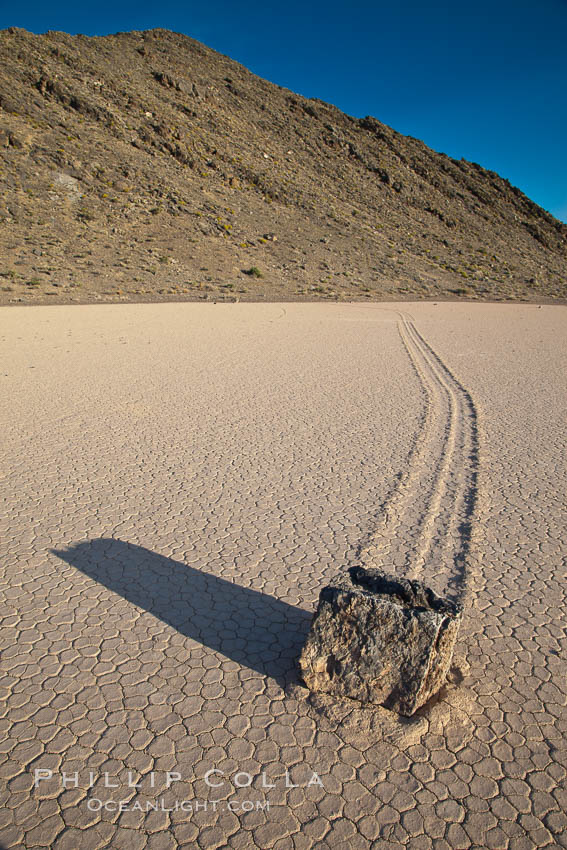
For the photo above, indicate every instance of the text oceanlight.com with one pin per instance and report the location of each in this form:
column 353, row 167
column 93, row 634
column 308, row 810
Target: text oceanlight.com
column 95, row 804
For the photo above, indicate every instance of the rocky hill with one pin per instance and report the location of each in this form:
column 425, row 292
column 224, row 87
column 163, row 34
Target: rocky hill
column 144, row 165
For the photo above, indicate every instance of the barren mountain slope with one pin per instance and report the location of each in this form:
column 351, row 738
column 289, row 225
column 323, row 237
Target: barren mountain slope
column 145, row 165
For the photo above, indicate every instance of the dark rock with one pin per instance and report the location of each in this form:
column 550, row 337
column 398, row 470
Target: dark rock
column 310, row 110
column 379, row 639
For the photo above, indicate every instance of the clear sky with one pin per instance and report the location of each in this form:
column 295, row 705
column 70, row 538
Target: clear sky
column 486, row 81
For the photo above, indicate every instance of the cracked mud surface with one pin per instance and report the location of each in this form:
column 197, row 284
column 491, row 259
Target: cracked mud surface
column 180, row 482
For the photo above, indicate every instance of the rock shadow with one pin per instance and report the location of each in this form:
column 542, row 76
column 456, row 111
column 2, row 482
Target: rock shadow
column 247, row 626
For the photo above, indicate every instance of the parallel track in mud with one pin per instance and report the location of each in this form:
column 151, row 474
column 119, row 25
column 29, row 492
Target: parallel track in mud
column 425, row 527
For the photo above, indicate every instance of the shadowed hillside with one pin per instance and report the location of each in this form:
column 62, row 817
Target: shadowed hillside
column 144, row 165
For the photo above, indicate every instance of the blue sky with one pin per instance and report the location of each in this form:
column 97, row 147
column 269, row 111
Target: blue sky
column 484, row 81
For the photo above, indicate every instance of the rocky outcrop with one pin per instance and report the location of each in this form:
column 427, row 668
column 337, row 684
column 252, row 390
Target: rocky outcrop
column 185, row 155
column 380, row 639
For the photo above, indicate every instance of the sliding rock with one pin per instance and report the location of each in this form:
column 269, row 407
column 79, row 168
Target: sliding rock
column 380, row 639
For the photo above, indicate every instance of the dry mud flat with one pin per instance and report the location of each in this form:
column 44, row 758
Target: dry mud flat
column 180, row 482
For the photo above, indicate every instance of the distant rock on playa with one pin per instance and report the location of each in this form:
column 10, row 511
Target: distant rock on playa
column 380, row 639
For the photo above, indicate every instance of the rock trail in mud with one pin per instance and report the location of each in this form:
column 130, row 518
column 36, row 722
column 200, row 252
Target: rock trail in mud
column 424, row 529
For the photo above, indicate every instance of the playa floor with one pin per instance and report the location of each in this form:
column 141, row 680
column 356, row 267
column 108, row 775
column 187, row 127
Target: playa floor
column 180, row 482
